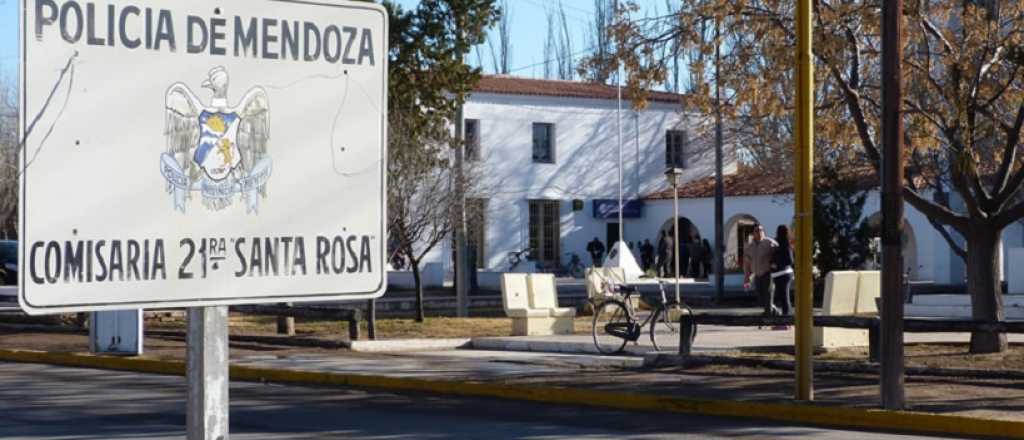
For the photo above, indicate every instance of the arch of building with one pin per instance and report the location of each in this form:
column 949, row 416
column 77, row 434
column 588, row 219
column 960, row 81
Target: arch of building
column 687, row 228
column 909, row 249
column 737, row 235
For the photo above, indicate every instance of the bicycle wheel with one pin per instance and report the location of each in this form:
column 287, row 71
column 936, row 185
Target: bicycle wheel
column 610, row 316
column 664, row 332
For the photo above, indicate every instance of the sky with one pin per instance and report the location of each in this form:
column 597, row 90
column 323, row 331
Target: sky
column 8, row 38
column 528, row 23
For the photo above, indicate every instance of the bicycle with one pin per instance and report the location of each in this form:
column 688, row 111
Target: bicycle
column 575, row 267
column 515, row 258
column 616, row 322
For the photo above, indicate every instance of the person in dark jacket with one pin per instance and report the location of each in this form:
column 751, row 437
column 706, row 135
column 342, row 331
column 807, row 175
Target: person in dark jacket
column 596, row 250
column 782, row 270
column 696, row 256
column 707, row 257
column 684, row 254
column 647, row 254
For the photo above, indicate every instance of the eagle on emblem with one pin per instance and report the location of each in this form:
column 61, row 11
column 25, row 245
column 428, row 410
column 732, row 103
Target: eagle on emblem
column 217, row 149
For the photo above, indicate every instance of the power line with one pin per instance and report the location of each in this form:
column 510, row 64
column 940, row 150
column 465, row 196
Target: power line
column 571, row 56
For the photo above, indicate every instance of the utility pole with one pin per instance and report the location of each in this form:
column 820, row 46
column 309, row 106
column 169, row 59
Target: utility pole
column 719, row 253
column 892, row 367
column 461, row 248
column 804, row 202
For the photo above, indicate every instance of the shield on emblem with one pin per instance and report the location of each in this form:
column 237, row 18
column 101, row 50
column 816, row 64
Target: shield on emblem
column 217, row 153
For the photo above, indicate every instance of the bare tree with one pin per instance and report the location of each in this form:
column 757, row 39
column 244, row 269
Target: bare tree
column 8, row 158
column 550, row 48
column 566, row 66
column 501, row 54
column 421, row 193
column 558, row 53
column 600, row 41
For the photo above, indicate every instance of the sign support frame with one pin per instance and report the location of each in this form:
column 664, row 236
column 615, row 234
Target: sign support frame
column 207, row 408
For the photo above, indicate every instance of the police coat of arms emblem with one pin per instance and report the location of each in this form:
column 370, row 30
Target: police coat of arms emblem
column 216, row 150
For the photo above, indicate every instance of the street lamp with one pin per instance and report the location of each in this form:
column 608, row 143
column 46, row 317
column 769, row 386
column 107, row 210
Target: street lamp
column 672, row 175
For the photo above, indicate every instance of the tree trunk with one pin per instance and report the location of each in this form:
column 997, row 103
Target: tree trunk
column 286, row 324
column 983, row 285
column 419, row 288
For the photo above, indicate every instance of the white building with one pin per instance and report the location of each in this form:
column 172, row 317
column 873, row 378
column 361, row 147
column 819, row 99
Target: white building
column 546, row 158
column 547, row 155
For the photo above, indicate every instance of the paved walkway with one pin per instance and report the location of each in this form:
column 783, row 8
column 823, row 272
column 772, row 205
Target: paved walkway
column 982, row 398
column 711, row 339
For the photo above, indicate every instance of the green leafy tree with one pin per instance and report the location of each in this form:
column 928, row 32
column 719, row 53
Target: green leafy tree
column 841, row 234
column 427, row 82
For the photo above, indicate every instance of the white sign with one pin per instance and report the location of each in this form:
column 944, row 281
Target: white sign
column 197, row 153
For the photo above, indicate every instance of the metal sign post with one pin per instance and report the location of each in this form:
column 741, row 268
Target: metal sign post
column 207, row 373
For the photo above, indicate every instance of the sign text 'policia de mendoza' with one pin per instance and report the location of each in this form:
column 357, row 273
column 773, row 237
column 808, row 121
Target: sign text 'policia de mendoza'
column 198, row 152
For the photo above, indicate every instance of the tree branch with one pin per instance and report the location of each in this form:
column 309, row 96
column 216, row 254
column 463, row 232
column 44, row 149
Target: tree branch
column 953, row 245
column 1002, row 191
column 935, row 211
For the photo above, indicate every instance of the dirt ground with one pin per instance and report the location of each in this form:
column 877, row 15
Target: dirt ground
column 432, row 327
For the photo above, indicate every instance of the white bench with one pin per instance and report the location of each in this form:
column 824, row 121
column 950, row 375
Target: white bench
column 848, row 293
column 544, row 296
column 531, row 301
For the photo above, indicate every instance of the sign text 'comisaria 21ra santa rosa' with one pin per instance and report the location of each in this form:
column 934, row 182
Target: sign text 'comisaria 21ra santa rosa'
column 194, row 152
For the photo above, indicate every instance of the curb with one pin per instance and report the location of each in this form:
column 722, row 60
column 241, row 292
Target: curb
column 394, row 345
column 839, row 417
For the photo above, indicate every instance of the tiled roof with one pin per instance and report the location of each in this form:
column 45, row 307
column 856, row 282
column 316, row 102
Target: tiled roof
column 753, row 182
column 511, row 85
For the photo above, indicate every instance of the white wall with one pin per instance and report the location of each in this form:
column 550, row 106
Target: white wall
column 585, row 168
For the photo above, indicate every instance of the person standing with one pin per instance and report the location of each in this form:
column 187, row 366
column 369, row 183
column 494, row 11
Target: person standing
column 662, row 263
column 706, row 246
column 646, row 254
column 684, row 254
column 696, row 256
column 596, row 250
column 782, row 270
column 757, row 256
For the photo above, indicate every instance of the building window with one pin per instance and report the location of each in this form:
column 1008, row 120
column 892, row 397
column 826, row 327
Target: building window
column 545, row 235
column 472, row 133
column 543, row 142
column 675, row 149
column 476, row 229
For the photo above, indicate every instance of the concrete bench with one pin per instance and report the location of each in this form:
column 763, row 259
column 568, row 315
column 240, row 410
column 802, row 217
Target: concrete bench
column 531, row 301
column 526, row 319
column 848, row 293
column 544, row 296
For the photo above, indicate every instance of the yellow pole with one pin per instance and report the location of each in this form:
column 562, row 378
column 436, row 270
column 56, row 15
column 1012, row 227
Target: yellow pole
column 804, row 203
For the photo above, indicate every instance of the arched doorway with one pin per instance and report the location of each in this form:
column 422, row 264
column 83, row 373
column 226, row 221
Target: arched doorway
column 690, row 245
column 738, row 232
column 909, row 249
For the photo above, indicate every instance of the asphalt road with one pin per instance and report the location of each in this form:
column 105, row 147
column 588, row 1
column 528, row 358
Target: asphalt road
column 46, row 402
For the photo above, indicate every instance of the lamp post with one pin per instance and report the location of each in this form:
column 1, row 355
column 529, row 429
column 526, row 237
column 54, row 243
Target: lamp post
column 672, row 175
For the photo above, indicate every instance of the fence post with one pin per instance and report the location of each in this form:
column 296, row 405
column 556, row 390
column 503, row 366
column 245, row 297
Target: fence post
column 371, row 320
column 353, row 325
column 686, row 327
column 874, row 341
